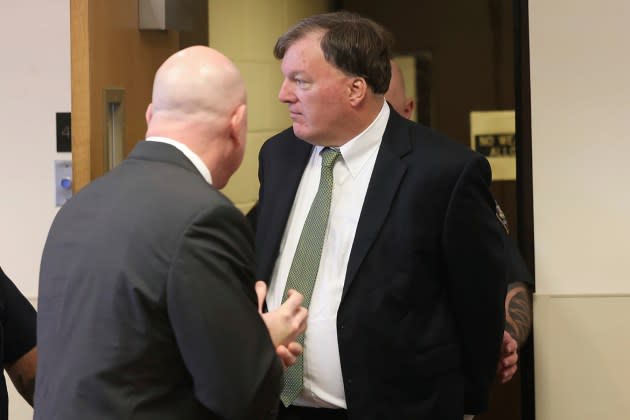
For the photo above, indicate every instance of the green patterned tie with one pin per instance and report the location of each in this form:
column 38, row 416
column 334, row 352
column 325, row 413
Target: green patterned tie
column 305, row 263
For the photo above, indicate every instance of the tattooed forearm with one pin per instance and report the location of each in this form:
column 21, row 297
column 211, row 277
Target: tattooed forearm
column 518, row 312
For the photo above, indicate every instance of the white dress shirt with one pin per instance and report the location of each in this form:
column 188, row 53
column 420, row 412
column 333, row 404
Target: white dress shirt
column 323, row 382
column 192, row 156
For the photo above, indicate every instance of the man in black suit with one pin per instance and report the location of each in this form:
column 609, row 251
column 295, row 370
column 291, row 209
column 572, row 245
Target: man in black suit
column 518, row 301
column 147, row 307
column 406, row 300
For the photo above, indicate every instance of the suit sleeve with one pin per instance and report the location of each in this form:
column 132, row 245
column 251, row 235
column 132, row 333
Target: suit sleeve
column 252, row 217
column 475, row 258
column 212, row 309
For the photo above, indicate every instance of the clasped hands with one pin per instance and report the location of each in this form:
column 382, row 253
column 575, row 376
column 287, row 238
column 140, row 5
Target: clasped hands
column 285, row 323
column 509, row 357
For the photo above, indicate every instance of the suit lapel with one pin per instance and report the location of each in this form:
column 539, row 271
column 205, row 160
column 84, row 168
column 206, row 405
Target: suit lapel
column 280, row 195
column 288, row 178
column 387, row 175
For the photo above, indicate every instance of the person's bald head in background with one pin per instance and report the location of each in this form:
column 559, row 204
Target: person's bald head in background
column 199, row 99
column 395, row 94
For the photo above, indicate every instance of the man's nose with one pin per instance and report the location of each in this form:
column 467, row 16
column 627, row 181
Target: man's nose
column 286, row 93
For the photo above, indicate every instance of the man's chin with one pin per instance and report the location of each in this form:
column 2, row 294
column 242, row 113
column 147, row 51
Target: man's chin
column 305, row 135
column 299, row 132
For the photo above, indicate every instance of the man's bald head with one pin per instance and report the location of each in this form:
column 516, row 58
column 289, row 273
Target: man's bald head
column 199, row 99
column 395, row 94
column 197, row 80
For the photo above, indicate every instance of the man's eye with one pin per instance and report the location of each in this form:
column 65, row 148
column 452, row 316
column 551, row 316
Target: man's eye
column 299, row 82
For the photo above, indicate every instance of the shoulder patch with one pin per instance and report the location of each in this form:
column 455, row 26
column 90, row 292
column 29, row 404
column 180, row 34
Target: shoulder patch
column 501, row 216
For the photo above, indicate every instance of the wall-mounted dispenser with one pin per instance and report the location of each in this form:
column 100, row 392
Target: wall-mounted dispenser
column 63, row 181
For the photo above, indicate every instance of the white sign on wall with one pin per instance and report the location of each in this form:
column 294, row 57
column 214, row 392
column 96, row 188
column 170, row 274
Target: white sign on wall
column 492, row 133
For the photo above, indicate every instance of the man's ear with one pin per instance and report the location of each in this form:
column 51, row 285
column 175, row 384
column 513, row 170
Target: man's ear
column 408, row 109
column 238, row 125
column 149, row 114
column 358, row 90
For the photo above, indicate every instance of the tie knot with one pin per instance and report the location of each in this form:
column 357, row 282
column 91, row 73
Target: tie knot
column 329, row 156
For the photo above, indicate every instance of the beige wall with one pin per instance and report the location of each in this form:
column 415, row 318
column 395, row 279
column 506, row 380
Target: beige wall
column 581, row 179
column 246, row 31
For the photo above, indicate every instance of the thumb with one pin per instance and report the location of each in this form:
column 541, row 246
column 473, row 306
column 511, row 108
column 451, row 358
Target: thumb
column 261, row 293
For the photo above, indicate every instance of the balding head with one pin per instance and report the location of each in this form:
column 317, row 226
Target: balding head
column 395, row 95
column 199, row 99
column 197, row 80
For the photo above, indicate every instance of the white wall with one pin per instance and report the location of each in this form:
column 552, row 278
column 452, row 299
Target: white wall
column 580, row 79
column 34, row 85
column 580, row 87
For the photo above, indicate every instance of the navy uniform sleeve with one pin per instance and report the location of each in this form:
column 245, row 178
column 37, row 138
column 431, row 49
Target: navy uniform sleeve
column 18, row 321
column 516, row 268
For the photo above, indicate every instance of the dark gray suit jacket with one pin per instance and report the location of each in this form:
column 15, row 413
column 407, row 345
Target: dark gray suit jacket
column 421, row 316
column 147, row 307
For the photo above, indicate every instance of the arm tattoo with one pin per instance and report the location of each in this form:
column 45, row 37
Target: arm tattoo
column 518, row 312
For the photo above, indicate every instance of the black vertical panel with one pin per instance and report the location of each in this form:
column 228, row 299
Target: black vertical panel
column 524, row 188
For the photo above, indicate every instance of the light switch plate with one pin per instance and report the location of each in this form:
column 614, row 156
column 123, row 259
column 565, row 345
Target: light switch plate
column 63, row 181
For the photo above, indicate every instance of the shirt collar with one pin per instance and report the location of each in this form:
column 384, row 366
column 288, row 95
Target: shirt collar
column 192, row 156
column 357, row 151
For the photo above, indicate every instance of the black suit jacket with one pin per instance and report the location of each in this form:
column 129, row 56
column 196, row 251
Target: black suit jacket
column 421, row 317
column 147, row 307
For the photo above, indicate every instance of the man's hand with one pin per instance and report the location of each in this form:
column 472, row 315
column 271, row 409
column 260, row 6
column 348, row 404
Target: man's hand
column 509, row 356
column 289, row 354
column 284, row 324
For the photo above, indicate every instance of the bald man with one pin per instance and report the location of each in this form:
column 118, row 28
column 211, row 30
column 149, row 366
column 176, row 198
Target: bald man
column 395, row 94
column 518, row 301
column 147, row 308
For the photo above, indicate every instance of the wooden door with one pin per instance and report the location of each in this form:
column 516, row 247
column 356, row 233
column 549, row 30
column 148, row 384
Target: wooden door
column 109, row 52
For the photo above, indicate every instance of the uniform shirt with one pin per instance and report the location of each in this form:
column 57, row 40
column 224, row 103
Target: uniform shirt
column 17, row 331
column 516, row 267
